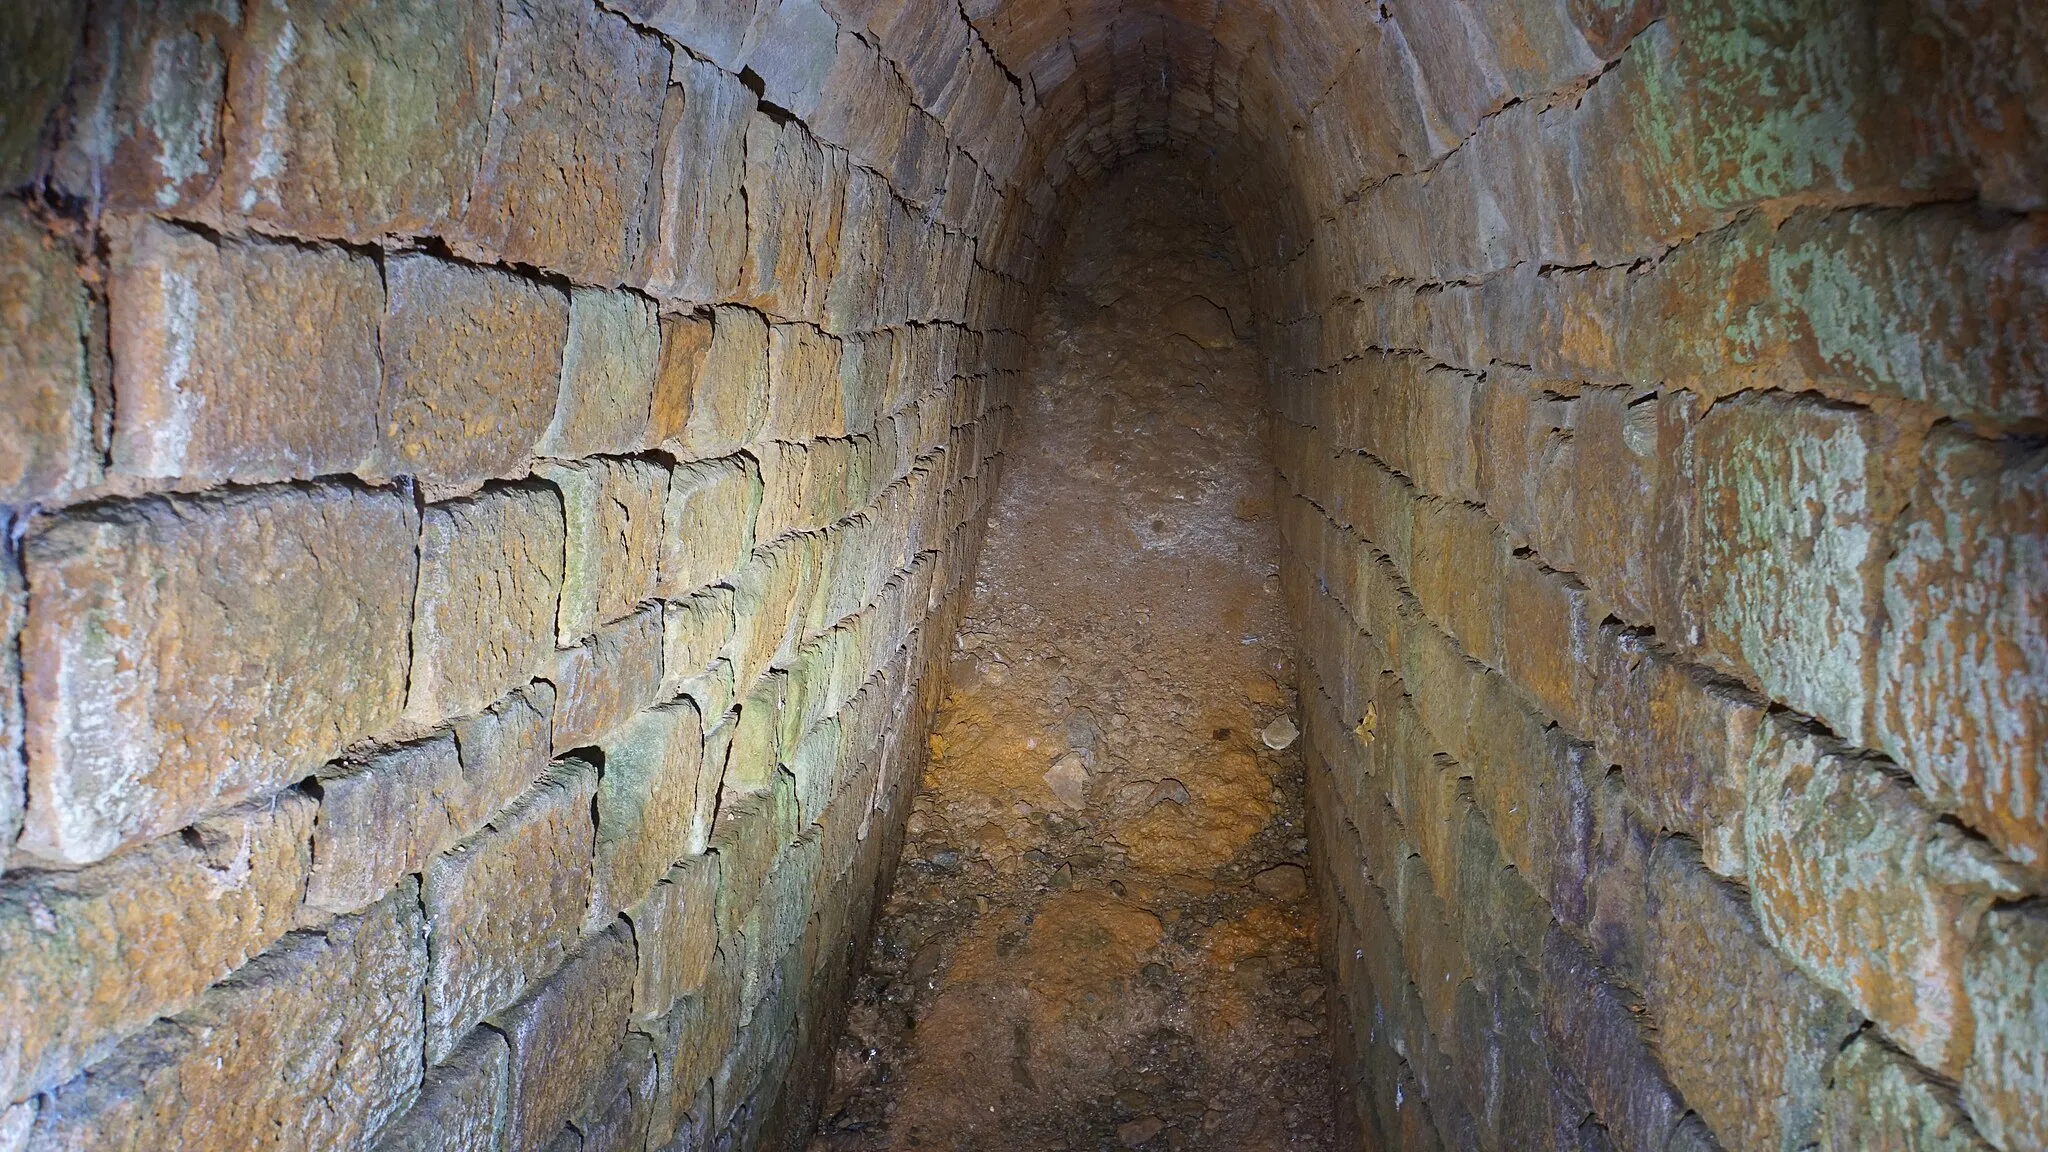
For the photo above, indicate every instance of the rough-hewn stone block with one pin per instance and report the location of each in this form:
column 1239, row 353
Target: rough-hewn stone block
column 785, row 172
column 472, row 362
column 358, row 120
column 504, row 908
column 709, row 523
column 503, row 750
column 181, row 654
column 571, row 143
column 676, row 936
column 237, row 1067
column 41, row 37
column 141, row 125
column 695, row 635
column 1791, row 508
column 1746, row 1037
column 614, row 510
column 565, row 1034
column 241, row 360
column 95, row 955
column 731, row 398
column 2006, row 977
column 699, row 238
column 609, row 366
column 1866, row 890
column 1880, row 1101
column 803, row 384
column 491, row 575
column 1962, row 697
column 685, row 344
column 646, row 806
column 380, row 819
column 461, row 1106
column 46, row 444
column 616, row 1119
column 607, row 678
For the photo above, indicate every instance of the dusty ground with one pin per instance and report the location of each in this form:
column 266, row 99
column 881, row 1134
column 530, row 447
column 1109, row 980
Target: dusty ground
column 1099, row 936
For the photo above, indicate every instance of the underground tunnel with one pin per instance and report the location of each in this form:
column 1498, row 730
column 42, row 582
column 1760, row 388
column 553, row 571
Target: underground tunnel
column 841, row 575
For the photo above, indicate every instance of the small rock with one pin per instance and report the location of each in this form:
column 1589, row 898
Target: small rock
column 1167, row 790
column 1068, row 779
column 1140, row 1130
column 1284, row 882
column 1280, row 734
column 946, row 861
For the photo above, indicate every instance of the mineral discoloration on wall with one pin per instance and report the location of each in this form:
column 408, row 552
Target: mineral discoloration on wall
column 1656, row 389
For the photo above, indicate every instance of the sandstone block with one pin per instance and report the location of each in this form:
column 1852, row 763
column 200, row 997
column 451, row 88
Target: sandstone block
column 380, row 819
column 1745, row 1036
column 646, row 806
column 699, row 238
column 503, row 750
column 676, row 936
column 214, row 1077
column 87, row 951
column 573, row 129
column 461, row 1106
column 695, row 635
column 731, row 398
column 804, row 401
column 2006, row 977
column 1881, row 1101
column 685, row 345
column 614, row 511
column 1962, row 667
column 565, row 1034
column 504, row 908
column 1941, row 307
column 181, row 654
column 617, row 1117
column 767, row 598
column 1595, row 1035
column 609, row 366
column 785, row 173
column 607, row 678
column 1683, row 741
column 491, row 576
column 794, row 49
column 46, row 444
column 41, row 38
column 1792, row 499
column 708, row 523
column 358, row 120
column 241, row 360
column 1866, row 891
column 140, row 130
column 472, row 363
column 721, row 33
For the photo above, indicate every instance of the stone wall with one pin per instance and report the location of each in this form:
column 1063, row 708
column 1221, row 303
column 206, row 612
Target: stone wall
column 1659, row 400
column 486, row 482
column 486, row 485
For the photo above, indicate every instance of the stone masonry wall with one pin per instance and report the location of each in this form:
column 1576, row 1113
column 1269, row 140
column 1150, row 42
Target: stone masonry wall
column 485, row 482
column 486, row 485
column 1660, row 400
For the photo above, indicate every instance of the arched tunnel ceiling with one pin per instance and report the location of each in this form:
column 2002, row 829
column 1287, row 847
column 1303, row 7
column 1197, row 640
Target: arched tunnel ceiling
column 1300, row 106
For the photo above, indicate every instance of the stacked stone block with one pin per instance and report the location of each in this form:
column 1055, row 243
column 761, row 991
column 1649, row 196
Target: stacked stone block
column 489, row 494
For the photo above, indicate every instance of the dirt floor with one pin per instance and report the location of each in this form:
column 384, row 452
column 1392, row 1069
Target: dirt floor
column 1100, row 936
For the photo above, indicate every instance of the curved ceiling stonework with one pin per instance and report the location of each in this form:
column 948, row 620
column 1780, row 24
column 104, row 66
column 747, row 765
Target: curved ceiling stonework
column 487, row 483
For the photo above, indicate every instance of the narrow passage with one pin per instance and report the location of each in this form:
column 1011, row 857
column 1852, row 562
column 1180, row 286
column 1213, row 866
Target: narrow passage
column 1100, row 936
